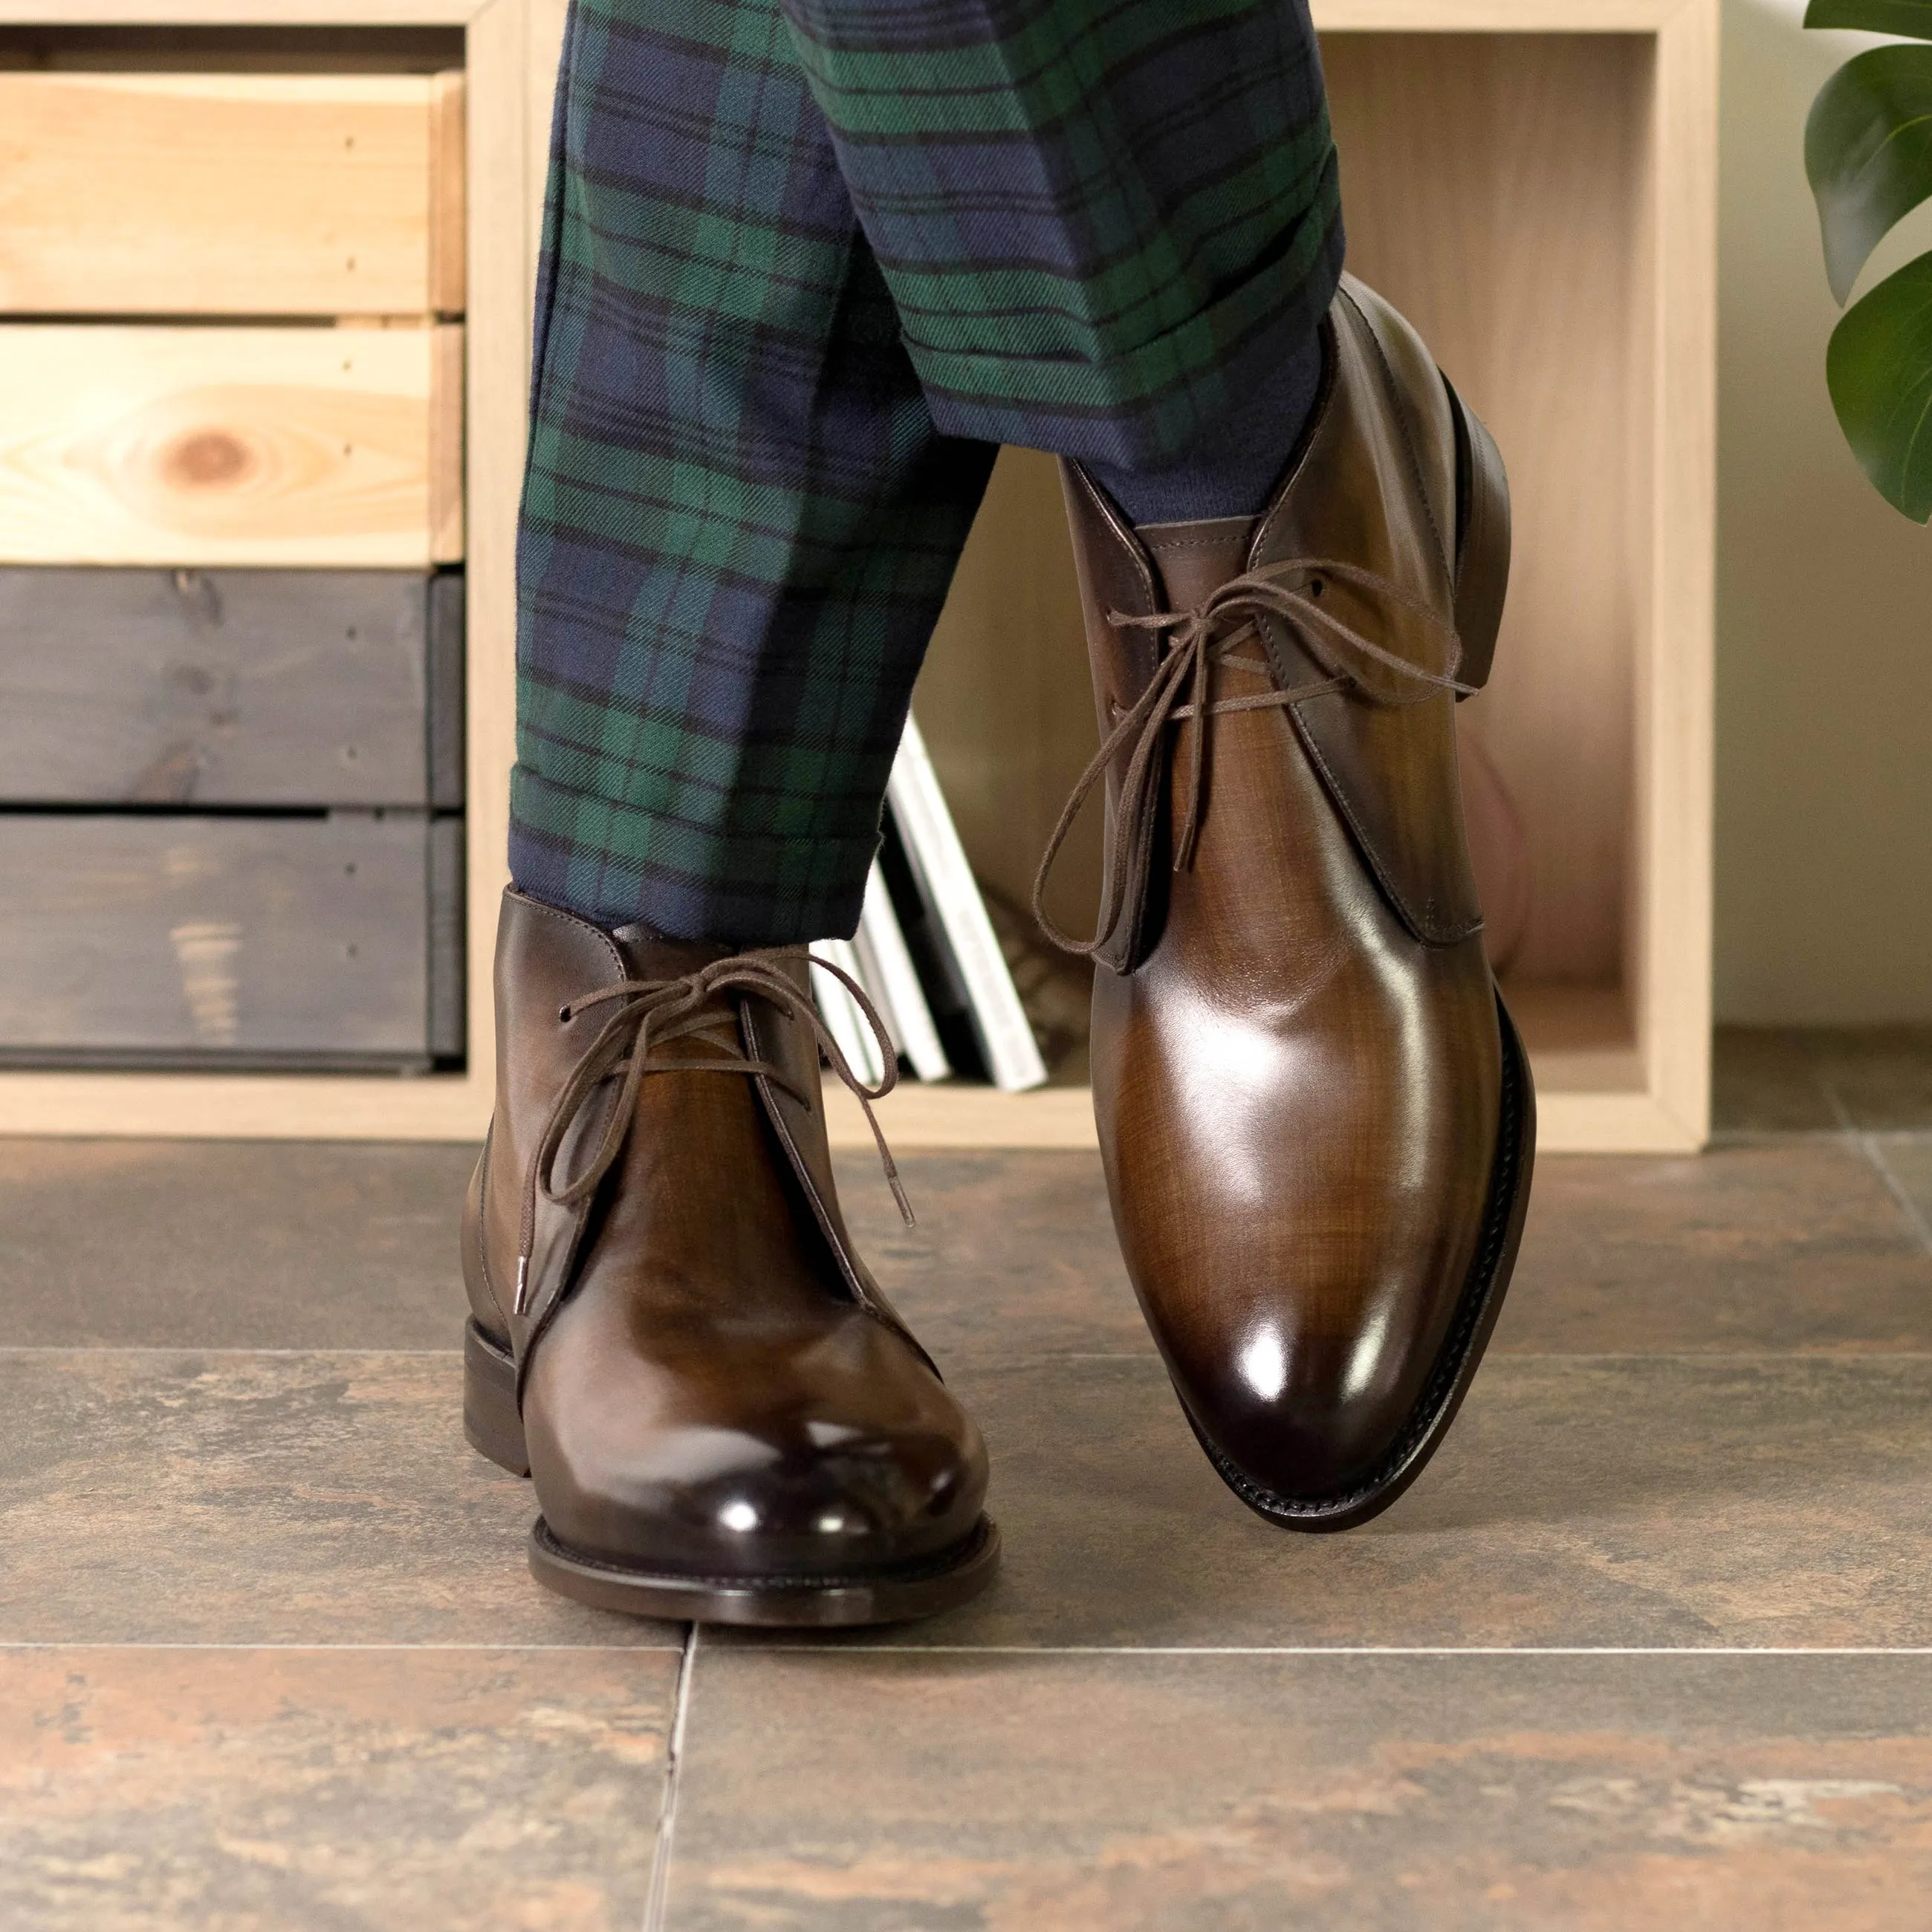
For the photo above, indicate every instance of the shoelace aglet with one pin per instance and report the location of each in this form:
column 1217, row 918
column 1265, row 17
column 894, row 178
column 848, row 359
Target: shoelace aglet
column 899, row 1191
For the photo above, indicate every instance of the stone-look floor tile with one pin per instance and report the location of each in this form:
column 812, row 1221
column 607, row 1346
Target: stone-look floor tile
column 252, row 1791
column 231, row 1244
column 1389, row 1794
column 1783, row 1245
column 1881, row 1075
column 1764, row 1080
column 1754, row 1500
column 154, row 1497
column 1794, row 1244
column 1014, row 1254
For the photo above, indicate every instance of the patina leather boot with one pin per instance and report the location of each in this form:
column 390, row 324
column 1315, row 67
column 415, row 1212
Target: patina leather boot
column 1317, row 1119
column 671, row 1330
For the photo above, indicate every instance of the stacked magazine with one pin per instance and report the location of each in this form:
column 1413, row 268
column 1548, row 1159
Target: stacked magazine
column 925, row 952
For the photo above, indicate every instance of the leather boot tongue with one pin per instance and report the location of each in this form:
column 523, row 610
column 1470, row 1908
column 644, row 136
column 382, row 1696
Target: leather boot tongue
column 1195, row 559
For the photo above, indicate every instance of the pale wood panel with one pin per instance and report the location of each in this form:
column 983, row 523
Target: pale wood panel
column 507, row 72
column 1493, row 188
column 215, row 194
column 248, row 1106
column 448, row 194
column 229, row 446
column 1671, row 934
column 443, row 1107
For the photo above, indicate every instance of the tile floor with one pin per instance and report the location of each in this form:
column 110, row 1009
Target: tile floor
column 1651, row 1643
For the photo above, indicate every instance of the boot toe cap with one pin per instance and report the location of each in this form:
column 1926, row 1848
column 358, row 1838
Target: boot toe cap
column 1305, row 1417
column 824, row 1477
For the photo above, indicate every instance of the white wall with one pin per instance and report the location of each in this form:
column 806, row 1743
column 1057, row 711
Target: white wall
column 1824, row 827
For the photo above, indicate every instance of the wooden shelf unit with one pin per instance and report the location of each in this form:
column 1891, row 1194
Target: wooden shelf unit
column 1534, row 180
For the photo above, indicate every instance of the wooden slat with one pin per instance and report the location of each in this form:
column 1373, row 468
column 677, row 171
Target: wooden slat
column 449, row 199
column 226, row 194
column 231, row 937
column 230, row 687
column 445, row 444
column 188, row 446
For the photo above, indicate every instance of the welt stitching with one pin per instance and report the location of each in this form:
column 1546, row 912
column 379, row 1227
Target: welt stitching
column 1159, row 546
column 570, row 919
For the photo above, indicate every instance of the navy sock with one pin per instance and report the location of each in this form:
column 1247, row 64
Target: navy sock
column 1231, row 475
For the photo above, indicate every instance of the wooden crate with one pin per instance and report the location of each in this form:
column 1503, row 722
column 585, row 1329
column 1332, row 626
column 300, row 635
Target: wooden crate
column 186, row 445
column 265, row 194
column 1622, row 1061
column 231, row 687
column 152, row 937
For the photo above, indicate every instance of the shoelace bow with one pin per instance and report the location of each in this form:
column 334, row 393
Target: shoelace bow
column 654, row 1013
column 1196, row 643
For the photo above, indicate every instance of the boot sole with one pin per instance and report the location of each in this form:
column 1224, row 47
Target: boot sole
column 1475, row 1320
column 824, row 1601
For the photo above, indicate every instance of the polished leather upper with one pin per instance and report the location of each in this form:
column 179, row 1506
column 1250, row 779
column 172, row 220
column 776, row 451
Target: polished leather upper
column 1296, row 1056
column 711, row 1381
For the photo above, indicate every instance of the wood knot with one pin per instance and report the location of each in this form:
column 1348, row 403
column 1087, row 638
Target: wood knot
column 207, row 459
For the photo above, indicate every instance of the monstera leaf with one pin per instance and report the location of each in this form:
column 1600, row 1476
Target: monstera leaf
column 1879, row 369
column 1911, row 17
column 1868, row 154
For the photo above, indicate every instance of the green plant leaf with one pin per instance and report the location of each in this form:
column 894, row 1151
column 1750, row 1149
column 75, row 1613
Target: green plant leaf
column 1868, row 153
column 1910, row 17
column 1879, row 370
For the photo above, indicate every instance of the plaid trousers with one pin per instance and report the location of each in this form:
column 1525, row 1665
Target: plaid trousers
column 806, row 263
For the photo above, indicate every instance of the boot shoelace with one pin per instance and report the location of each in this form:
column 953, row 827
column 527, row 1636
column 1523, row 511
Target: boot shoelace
column 1196, row 644
column 654, row 1013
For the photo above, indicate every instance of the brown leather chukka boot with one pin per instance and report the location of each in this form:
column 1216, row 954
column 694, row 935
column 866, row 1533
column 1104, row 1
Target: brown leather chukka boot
column 1316, row 1117
column 671, row 1330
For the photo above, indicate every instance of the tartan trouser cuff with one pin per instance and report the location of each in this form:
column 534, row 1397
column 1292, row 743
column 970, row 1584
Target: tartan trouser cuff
column 1155, row 398
column 613, row 863
column 805, row 264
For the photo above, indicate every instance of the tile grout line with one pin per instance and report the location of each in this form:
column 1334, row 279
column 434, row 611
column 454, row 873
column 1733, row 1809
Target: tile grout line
column 1330, row 1650
column 657, row 1897
column 681, row 1696
column 193, row 1348
column 8, row 1644
column 1868, row 1146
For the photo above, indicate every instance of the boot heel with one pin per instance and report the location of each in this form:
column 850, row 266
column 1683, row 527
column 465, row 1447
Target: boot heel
column 490, row 1419
column 1482, row 540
